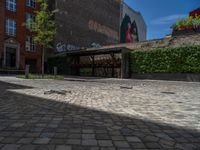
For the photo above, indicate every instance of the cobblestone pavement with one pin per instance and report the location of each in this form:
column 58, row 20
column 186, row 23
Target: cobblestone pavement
column 99, row 114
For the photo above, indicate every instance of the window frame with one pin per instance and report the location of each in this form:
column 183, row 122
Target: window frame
column 11, row 27
column 11, row 5
column 31, row 3
column 30, row 44
column 29, row 16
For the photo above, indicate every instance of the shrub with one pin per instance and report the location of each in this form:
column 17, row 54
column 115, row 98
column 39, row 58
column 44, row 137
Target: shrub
column 187, row 23
column 166, row 60
column 34, row 76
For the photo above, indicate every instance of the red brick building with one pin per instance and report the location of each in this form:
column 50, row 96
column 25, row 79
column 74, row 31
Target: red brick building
column 17, row 47
column 195, row 12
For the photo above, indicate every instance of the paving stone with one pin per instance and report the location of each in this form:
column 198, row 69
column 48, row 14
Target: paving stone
column 18, row 134
column 138, row 145
column 73, row 142
column 9, row 140
column 28, row 147
column 58, row 141
column 25, row 140
column 101, row 131
column 45, row 147
column 88, row 131
column 151, row 139
column 1, row 138
column 47, row 135
column 153, row 145
column 41, row 141
column 32, row 135
column 63, row 147
column 105, row 143
column 5, row 133
column 88, row 136
column 17, row 125
column 102, row 137
column 10, row 147
column 74, row 136
column 1, row 145
column 108, row 148
column 89, row 142
column 133, row 139
column 118, row 138
column 121, row 144
column 61, row 135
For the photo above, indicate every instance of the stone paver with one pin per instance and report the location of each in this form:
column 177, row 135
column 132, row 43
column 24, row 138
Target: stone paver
column 99, row 115
column 41, row 141
column 63, row 147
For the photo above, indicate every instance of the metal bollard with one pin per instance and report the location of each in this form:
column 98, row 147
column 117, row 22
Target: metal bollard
column 27, row 71
column 55, row 71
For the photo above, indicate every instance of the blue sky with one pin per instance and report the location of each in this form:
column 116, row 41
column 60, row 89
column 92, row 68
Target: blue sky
column 159, row 15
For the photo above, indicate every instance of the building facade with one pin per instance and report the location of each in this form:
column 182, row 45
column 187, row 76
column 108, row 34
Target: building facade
column 83, row 24
column 17, row 47
column 133, row 27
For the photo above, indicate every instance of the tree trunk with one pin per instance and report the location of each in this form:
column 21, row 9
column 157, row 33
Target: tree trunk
column 43, row 52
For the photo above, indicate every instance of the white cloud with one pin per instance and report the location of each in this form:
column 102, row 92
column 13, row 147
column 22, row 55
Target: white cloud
column 168, row 19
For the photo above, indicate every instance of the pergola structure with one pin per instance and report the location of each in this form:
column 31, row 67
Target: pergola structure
column 117, row 58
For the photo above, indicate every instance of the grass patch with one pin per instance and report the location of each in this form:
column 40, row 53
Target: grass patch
column 33, row 76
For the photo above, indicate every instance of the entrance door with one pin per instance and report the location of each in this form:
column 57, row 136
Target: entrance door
column 32, row 63
column 11, row 57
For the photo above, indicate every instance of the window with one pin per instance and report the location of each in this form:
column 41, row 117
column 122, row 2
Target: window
column 10, row 27
column 11, row 5
column 30, row 44
column 31, row 3
column 28, row 18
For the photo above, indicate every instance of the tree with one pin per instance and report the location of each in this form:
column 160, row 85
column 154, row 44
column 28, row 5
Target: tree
column 43, row 28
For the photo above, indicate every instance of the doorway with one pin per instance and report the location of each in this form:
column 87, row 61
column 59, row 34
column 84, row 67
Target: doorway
column 11, row 57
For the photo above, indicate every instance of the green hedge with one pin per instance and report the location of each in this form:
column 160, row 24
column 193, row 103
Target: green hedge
column 166, row 60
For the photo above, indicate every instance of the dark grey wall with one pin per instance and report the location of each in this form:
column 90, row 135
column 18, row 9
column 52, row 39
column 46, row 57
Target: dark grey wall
column 82, row 22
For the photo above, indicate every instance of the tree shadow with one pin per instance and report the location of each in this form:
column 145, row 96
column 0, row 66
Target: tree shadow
column 28, row 122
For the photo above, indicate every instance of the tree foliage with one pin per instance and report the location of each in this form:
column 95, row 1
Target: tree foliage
column 43, row 26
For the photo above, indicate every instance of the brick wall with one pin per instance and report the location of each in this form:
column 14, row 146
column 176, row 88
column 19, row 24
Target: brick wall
column 81, row 23
column 1, row 29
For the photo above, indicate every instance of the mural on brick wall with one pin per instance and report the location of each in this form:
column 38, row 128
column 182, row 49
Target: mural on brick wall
column 129, row 30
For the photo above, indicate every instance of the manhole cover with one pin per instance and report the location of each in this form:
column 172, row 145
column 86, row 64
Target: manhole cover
column 168, row 93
